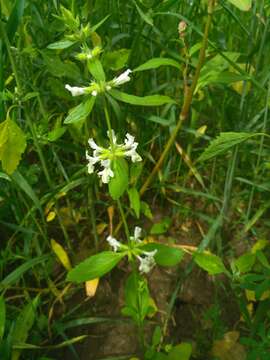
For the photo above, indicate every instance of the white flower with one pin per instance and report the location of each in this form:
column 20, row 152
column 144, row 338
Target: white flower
column 147, row 262
column 130, row 148
column 105, row 156
column 75, row 90
column 94, row 93
column 137, row 235
column 107, row 172
column 91, row 162
column 122, row 79
column 115, row 244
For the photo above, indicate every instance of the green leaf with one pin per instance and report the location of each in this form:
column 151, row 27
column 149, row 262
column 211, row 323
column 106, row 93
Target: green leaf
column 224, row 142
column 245, row 262
column 161, row 227
column 19, row 271
column 119, row 183
column 180, row 352
column 22, row 183
column 60, row 69
column 12, row 145
column 62, row 44
column 96, row 26
column 2, row 317
column 243, row 5
column 117, row 59
column 96, row 69
column 81, row 111
column 146, row 17
column 145, row 208
column 15, row 18
column 156, row 63
column 210, row 263
column 95, row 266
column 166, row 255
column 151, row 100
column 23, row 325
column 134, row 199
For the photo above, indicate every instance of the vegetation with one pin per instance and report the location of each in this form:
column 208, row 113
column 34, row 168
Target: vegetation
column 134, row 162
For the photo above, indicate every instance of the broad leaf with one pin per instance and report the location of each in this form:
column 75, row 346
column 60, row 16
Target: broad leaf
column 166, row 255
column 156, row 63
column 12, row 145
column 161, row 227
column 95, row 266
column 117, row 59
column 134, row 199
column 119, row 183
column 151, row 100
column 245, row 262
column 81, row 111
column 180, row 352
column 210, row 263
column 243, row 5
column 224, row 142
column 62, row 44
column 96, row 69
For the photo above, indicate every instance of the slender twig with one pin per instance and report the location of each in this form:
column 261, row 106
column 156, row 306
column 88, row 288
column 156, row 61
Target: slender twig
column 188, row 96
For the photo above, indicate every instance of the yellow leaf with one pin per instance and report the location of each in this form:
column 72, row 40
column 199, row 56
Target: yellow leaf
column 259, row 245
column 91, row 287
column 153, row 308
column 250, row 295
column 228, row 348
column 50, row 216
column 61, row 254
column 101, row 227
column 201, row 131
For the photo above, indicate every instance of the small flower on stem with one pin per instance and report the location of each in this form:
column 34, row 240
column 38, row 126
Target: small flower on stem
column 75, row 90
column 115, row 244
column 147, row 262
column 107, row 172
column 106, row 156
column 121, row 79
column 137, row 235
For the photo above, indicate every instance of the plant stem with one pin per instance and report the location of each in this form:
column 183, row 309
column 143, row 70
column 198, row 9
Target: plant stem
column 124, row 220
column 189, row 92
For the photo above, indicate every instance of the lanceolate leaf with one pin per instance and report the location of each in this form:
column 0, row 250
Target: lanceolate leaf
column 95, row 266
column 12, row 145
column 119, row 183
column 224, row 142
column 2, row 316
column 243, row 5
column 15, row 18
column 156, row 63
column 62, row 44
column 23, row 325
column 152, row 100
column 210, row 263
column 81, row 111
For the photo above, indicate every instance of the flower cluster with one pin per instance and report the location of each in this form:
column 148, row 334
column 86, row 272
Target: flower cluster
column 146, row 258
column 96, row 88
column 105, row 156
